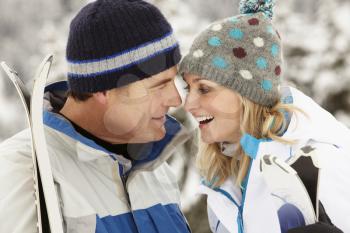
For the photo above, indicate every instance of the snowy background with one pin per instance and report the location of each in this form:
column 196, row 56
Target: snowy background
column 315, row 33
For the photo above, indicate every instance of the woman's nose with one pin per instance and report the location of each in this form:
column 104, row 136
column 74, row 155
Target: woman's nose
column 191, row 102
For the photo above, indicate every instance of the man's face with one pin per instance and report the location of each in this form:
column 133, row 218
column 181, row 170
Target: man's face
column 136, row 113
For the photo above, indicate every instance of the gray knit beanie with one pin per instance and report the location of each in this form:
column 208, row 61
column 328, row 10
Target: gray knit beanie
column 241, row 52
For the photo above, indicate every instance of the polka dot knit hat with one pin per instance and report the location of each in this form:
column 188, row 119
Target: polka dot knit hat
column 241, row 52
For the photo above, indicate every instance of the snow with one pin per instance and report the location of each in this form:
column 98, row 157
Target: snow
column 11, row 111
column 341, row 17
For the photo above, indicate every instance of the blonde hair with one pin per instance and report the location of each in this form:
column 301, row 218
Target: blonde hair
column 256, row 120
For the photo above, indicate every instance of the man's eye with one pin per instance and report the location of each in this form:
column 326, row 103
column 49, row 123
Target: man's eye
column 162, row 86
column 159, row 87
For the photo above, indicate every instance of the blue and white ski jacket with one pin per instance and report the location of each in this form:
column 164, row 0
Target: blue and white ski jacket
column 98, row 191
column 254, row 209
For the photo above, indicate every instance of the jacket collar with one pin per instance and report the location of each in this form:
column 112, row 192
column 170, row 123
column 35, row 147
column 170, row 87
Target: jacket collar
column 315, row 123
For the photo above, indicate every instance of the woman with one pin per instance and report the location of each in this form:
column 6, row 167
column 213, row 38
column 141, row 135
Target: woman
column 233, row 72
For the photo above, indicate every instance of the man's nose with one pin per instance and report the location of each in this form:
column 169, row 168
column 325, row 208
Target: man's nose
column 173, row 97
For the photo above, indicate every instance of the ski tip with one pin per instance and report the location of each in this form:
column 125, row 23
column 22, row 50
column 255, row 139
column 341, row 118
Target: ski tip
column 49, row 57
column 7, row 69
column 3, row 64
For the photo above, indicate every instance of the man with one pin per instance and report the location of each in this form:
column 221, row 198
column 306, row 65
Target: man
column 109, row 139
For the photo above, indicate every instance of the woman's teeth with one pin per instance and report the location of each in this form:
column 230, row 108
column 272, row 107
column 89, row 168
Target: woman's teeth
column 204, row 119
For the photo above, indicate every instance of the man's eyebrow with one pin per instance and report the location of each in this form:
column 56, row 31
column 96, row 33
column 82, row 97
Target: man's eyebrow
column 197, row 80
column 161, row 82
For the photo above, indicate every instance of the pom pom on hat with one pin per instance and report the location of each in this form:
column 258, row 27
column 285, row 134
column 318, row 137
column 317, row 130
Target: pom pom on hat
column 255, row 6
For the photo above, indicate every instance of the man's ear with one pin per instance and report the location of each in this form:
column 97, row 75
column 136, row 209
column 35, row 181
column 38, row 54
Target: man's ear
column 100, row 97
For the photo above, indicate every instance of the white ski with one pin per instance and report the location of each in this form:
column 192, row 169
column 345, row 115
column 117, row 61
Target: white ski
column 33, row 106
column 285, row 183
column 24, row 95
column 51, row 199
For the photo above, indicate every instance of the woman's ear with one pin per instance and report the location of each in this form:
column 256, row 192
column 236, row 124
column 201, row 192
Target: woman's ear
column 100, row 97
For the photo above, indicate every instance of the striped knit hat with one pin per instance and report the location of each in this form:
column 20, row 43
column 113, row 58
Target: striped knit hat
column 242, row 52
column 116, row 42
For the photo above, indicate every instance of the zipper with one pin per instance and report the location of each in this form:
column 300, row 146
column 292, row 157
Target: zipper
column 241, row 208
column 123, row 178
column 239, row 220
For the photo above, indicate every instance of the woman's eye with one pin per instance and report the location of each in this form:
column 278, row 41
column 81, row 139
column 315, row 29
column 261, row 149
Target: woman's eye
column 203, row 90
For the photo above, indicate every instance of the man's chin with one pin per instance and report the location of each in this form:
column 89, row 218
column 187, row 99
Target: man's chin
column 150, row 135
column 160, row 136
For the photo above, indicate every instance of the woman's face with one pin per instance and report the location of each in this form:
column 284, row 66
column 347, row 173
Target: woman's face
column 216, row 108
